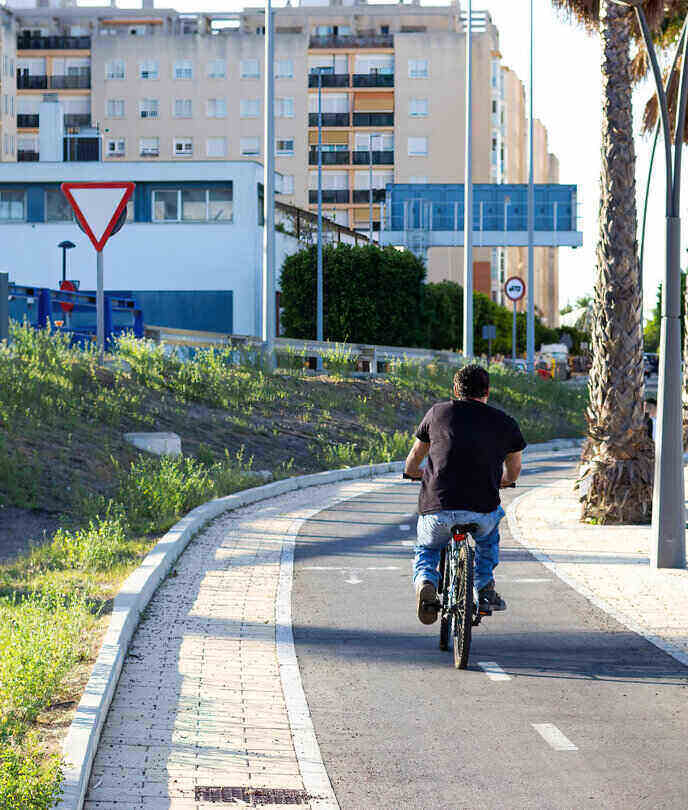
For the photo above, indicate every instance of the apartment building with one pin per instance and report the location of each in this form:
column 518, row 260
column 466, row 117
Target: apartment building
column 8, row 91
column 386, row 81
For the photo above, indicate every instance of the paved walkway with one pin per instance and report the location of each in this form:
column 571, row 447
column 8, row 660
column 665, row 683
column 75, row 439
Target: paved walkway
column 199, row 719
column 609, row 564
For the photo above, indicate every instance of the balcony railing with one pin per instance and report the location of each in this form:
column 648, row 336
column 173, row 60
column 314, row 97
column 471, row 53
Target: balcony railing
column 57, row 43
column 374, row 119
column 373, row 79
column 81, row 82
column 25, row 155
column 25, row 121
column 77, row 120
column 329, row 119
column 363, row 195
column 329, row 79
column 339, row 158
column 27, row 82
column 352, row 41
column 329, row 195
column 380, row 157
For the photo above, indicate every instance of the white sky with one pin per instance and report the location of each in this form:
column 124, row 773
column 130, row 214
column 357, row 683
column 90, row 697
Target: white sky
column 566, row 97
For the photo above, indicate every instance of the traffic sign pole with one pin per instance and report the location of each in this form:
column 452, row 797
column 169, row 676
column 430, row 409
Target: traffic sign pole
column 100, row 305
column 513, row 335
column 514, row 289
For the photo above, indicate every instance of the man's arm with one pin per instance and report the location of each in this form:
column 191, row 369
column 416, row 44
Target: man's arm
column 413, row 461
column 512, row 469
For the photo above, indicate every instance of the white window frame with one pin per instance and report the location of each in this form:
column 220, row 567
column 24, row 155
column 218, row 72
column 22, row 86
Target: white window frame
column 179, row 219
column 111, row 70
column 284, row 107
column 216, row 138
column 182, row 108
column 216, row 108
column 418, row 68
column 117, row 151
column 250, row 69
column 286, row 184
column 284, row 68
column 182, row 70
column 249, row 108
column 284, row 151
column 150, row 147
column 22, row 218
column 243, row 145
column 413, row 151
column 419, row 107
column 182, row 147
column 151, row 113
column 216, row 69
column 117, row 103
column 149, row 70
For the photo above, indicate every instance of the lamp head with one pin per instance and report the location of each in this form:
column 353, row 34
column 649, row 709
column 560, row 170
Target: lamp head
column 66, row 245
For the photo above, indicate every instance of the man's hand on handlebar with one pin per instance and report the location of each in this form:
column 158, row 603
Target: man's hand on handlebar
column 412, row 477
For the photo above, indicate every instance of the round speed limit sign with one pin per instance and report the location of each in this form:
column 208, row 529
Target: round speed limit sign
column 514, row 288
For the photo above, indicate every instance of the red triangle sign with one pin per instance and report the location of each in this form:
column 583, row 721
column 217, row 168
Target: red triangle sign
column 97, row 207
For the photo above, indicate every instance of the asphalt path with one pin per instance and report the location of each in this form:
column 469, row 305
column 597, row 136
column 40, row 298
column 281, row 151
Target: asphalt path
column 561, row 706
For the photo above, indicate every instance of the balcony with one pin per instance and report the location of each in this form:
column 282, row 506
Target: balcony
column 374, row 119
column 339, row 158
column 362, row 195
column 25, row 155
column 53, row 43
column 27, row 82
column 373, row 79
column 329, row 119
column 329, row 196
column 72, row 120
column 329, row 79
column 351, row 41
column 383, row 157
column 27, row 121
column 81, row 82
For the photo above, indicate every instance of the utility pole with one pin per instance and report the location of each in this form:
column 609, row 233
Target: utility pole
column 269, row 303
column 468, row 198
column 319, row 294
column 530, row 316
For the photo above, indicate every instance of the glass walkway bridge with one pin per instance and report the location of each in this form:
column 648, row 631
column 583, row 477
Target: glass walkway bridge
column 423, row 215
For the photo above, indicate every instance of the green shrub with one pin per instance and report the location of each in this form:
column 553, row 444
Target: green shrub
column 95, row 548
column 388, row 447
column 28, row 779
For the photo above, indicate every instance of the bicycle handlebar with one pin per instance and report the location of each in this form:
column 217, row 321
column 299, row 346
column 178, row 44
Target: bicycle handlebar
column 420, row 478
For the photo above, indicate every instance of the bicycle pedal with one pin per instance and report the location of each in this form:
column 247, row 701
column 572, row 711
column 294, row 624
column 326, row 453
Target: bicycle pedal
column 485, row 611
column 436, row 606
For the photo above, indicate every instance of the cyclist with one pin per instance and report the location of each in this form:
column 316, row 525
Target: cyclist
column 473, row 449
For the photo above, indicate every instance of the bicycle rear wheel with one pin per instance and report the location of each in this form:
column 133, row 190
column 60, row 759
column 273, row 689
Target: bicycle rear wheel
column 462, row 615
column 445, row 589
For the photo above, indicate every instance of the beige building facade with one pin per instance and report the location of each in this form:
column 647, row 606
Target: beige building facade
column 160, row 85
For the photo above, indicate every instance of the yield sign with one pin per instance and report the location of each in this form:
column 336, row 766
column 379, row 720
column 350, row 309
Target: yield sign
column 98, row 206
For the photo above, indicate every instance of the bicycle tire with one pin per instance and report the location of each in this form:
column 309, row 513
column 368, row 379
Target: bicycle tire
column 462, row 615
column 445, row 582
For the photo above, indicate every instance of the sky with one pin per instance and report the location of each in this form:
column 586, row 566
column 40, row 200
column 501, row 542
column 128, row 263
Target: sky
column 567, row 99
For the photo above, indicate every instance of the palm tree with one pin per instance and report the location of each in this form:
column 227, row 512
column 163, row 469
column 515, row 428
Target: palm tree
column 616, row 474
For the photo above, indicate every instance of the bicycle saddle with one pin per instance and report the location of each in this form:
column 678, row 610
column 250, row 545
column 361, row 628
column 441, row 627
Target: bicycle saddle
column 464, row 528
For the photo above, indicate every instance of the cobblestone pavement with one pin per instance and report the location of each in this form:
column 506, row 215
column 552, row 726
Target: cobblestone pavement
column 609, row 563
column 199, row 703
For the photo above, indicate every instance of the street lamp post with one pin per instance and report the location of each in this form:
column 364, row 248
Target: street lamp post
column 268, row 286
column 468, row 197
column 530, row 310
column 65, row 245
column 370, row 184
column 319, row 282
column 667, row 548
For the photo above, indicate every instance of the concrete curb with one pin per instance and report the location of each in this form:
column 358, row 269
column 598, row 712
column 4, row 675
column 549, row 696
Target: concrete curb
column 623, row 619
column 81, row 742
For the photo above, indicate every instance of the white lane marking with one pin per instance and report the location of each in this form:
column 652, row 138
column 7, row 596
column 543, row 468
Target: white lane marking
column 524, row 580
column 353, row 579
column 493, row 671
column 333, row 568
column 555, row 738
column 405, row 527
column 407, row 543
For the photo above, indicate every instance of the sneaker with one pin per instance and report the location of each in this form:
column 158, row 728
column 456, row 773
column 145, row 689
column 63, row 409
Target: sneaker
column 427, row 603
column 489, row 599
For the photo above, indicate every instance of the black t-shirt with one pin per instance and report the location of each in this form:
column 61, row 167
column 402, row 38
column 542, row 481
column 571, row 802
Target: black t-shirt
column 469, row 441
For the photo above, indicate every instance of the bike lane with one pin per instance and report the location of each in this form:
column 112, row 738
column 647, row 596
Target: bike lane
column 561, row 706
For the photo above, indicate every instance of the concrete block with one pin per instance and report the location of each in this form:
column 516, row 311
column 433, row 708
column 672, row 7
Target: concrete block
column 160, row 444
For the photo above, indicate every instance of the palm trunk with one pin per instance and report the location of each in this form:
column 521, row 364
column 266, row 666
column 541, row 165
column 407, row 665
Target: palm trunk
column 617, row 471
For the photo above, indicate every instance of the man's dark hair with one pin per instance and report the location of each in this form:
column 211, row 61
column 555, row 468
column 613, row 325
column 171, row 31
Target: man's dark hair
column 471, row 382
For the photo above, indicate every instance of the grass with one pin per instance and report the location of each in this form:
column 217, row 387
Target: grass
column 62, row 452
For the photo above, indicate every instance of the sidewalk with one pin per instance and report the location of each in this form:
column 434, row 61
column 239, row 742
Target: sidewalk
column 607, row 564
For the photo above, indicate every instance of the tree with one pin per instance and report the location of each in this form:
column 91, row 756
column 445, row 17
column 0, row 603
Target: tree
column 617, row 474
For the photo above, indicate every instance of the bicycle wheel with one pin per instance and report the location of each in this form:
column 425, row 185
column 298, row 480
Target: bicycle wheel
column 462, row 591
column 445, row 588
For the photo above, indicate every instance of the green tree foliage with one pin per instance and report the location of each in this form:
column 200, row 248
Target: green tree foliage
column 374, row 295
column 652, row 327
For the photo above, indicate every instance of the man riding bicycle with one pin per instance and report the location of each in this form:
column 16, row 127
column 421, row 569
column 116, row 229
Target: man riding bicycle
column 473, row 449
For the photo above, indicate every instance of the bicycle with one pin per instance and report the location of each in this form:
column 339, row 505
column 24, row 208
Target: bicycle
column 459, row 606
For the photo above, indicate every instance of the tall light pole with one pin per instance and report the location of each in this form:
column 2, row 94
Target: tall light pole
column 530, row 313
column 370, row 184
column 668, row 536
column 269, row 304
column 319, row 282
column 468, row 198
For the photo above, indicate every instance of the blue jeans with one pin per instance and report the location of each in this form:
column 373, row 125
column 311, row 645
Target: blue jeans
column 433, row 535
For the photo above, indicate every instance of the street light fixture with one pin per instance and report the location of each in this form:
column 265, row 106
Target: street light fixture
column 65, row 245
column 371, row 135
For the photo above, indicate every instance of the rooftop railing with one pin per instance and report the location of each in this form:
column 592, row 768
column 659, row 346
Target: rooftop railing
column 352, row 41
column 50, row 43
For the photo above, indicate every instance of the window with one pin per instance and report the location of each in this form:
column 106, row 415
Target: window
column 331, row 103
column 149, row 147
column 12, row 144
column 250, row 69
column 115, row 108
column 115, row 147
column 7, row 104
column 183, row 69
column 193, row 205
column 148, row 108
column 382, row 142
column 115, row 69
column 216, row 147
column 284, row 146
column 331, row 181
column 57, row 209
column 249, row 108
column 12, row 106
column 417, row 146
column 250, row 146
column 7, row 144
column 284, row 69
column 216, row 108
column 286, row 185
column 12, row 206
column 284, row 107
column 216, row 69
column 182, row 108
column 183, row 147
column 418, row 107
column 418, row 68
column 148, row 69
